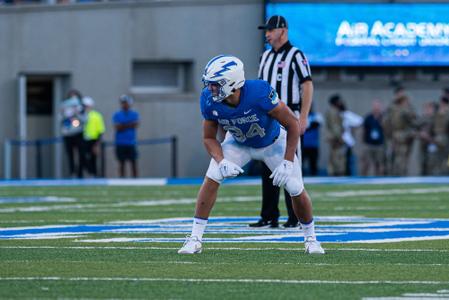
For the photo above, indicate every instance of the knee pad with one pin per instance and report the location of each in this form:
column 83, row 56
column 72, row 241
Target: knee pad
column 294, row 186
column 213, row 172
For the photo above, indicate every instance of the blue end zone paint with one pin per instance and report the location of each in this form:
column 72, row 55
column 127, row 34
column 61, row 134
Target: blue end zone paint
column 236, row 181
column 347, row 230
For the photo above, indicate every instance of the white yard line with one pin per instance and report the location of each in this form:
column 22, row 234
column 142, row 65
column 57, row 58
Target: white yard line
column 405, row 298
column 120, row 204
column 167, row 202
column 43, row 221
column 425, row 295
column 219, row 280
column 162, row 262
column 392, row 250
column 299, row 249
column 388, row 192
column 34, row 199
column 261, row 239
column 441, row 294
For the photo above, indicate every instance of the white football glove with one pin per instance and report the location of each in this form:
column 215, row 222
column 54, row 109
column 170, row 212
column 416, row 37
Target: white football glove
column 282, row 173
column 228, row 169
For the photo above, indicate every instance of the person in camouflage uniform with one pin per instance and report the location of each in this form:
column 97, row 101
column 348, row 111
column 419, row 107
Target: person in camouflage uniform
column 427, row 147
column 400, row 122
column 441, row 130
column 399, row 91
column 336, row 165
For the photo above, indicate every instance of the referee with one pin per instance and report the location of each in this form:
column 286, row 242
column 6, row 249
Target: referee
column 287, row 70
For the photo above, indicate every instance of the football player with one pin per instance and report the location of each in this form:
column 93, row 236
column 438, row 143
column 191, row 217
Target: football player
column 258, row 126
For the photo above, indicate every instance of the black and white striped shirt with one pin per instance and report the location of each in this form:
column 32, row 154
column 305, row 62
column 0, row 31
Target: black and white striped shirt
column 285, row 70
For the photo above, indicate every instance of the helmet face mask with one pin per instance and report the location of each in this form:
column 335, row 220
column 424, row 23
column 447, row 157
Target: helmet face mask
column 216, row 88
column 223, row 75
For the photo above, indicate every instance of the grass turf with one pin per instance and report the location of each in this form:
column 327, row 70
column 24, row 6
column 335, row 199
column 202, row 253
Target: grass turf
column 68, row 268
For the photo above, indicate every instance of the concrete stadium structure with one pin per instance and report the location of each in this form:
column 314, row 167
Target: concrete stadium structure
column 108, row 49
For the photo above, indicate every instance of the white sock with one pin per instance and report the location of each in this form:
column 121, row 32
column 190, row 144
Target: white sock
column 198, row 227
column 309, row 230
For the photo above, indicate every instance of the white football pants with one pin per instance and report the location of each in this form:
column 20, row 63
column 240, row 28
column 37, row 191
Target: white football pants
column 271, row 155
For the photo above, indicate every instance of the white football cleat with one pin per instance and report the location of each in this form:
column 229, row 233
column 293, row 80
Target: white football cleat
column 192, row 245
column 312, row 246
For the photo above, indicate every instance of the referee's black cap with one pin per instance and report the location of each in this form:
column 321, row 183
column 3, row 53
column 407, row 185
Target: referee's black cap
column 274, row 22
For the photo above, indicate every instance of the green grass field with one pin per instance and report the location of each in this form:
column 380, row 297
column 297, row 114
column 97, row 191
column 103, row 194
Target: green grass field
column 87, row 266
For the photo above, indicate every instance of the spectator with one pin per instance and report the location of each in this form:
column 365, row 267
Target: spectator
column 398, row 92
column 334, row 128
column 311, row 142
column 446, row 92
column 93, row 131
column 351, row 121
column 400, row 121
column 72, row 123
column 427, row 147
column 126, row 121
column 373, row 138
column 446, row 95
column 441, row 129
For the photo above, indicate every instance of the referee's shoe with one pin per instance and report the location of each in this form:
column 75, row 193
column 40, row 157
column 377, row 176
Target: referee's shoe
column 265, row 224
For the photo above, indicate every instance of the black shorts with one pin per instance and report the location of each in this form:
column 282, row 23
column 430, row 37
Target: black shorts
column 124, row 152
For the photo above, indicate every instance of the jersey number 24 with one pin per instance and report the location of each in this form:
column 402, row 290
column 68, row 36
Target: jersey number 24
column 241, row 137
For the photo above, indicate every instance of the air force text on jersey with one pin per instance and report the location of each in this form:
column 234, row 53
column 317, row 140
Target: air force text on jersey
column 240, row 121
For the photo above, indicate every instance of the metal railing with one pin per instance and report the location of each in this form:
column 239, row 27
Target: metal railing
column 38, row 144
column 173, row 140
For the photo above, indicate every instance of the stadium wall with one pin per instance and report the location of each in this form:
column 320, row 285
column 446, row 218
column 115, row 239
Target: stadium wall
column 94, row 45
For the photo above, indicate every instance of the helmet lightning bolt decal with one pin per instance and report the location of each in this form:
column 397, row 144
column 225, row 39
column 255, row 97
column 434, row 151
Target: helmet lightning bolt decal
column 224, row 68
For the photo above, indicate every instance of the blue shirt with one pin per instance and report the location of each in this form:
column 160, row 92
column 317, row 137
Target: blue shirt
column 373, row 133
column 127, row 136
column 311, row 138
column 249, row 122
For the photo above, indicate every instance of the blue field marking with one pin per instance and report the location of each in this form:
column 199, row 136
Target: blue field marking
column 4, row 200
column 343, row 230
column 241, row 180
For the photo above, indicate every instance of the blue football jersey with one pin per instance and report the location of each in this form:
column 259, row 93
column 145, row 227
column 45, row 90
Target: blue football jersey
column 249, row 122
